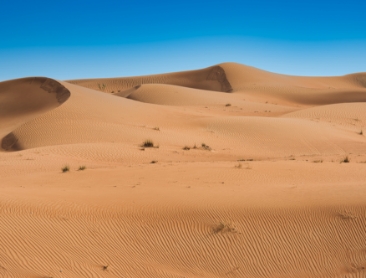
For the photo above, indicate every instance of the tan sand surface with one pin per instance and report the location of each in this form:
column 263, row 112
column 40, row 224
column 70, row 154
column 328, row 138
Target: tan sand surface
column 252, row 174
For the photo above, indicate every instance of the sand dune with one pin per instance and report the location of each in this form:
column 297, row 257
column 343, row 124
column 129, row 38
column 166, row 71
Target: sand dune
column 25, row 99
column 252, row 174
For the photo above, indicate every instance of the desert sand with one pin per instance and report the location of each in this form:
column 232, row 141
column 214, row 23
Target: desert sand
column 248, row 174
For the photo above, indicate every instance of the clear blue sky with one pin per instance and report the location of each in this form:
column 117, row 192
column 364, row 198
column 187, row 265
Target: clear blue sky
column 79, row 39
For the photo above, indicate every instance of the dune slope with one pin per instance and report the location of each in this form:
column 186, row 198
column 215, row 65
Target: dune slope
column 25, row 99
column 228, row 171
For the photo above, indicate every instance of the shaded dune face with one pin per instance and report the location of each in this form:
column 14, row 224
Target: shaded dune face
column 213, row 78
column 218, row 74
column 361, row 79
column 22, row 100
column 11, row 142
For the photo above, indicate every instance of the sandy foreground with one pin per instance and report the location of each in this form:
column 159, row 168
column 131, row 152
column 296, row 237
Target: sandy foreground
column 250, row 174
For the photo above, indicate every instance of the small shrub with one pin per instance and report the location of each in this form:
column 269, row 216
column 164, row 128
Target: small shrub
column 105, row 267
column 228, row 104
column 238, row 166
column 101, row 86
column 345, row 160
column 148, row 144
column 65, row 169
column 186, row 148
column 361, row 132
column 82, row 168
column 156, row 128
column 154, row 161
column 205, row 147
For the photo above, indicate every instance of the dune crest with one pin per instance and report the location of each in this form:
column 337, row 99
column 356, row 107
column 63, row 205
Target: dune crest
column 212, row 78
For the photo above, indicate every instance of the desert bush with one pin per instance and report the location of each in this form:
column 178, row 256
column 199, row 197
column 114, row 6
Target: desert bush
column 205, row 147
column 148, row 144
column 345, row 160
column 65, row 169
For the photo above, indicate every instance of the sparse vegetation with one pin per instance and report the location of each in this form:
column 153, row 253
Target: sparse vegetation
column 318, row 161
column 248, row 159
column 222, row 228
column 156, row 128
column 101, row 86
column 154, row 161
column 148, row 144
column 228, row 104
column 205, row 147
column 345, row 160
column 65, row 169
column 105, row 267
column 361, row 132
column 238, row 166
column 82, row 168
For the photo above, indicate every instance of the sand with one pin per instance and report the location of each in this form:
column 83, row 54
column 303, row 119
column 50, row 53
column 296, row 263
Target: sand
column 251, row 174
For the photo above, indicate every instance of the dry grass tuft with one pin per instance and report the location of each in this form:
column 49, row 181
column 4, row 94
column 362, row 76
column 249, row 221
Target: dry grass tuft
column 205, row 147
column 345, row 160
column 65, row 169
column 148, row 144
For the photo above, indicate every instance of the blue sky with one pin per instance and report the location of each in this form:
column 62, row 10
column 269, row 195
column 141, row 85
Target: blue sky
column 81, row 39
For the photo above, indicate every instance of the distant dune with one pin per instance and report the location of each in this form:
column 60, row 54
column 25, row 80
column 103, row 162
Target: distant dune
column 248, row 173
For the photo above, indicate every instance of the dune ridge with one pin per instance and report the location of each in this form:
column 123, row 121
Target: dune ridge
column 211, row 78
column 227, row 171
